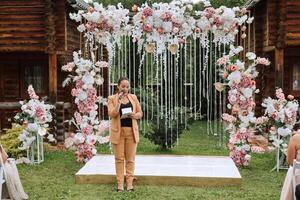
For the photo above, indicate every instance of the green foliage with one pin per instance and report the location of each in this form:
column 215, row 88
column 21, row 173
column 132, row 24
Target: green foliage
column 10, row 141
column 160, row 130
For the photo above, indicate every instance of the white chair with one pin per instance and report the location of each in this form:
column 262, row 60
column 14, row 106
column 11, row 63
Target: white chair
column 296, row 166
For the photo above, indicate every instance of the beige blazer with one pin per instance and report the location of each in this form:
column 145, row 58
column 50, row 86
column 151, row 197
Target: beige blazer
column 116, row 121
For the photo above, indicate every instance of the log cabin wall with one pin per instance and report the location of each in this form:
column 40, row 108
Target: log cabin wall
column 37, row 37
column 277, row 37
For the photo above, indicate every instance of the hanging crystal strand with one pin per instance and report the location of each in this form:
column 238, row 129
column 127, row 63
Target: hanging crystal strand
column 122, row 56
column 126, row 57
column 152, row 83
column 224, row 99
column 169, row 92
column 133, row 67
column 200, row 77
column 191, row 85
column 171, row 96
column 207, row 85
column 176, row 97
column 129, row 60
column 157, row 88
column 215, row 107
column 119, row 63
column 195, row 79
column 185, row 86
column 219, row 79
column 102, row 73
column 181, row 85
column 205, row 76
column 166, row 97
column 162, row 91
column 146, row 72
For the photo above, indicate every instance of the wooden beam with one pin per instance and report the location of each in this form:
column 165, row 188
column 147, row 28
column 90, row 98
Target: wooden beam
column 269, row 48
column 279, row 65
column 53, row 78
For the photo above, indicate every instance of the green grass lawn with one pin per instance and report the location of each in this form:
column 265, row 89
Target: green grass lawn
column 54, row 179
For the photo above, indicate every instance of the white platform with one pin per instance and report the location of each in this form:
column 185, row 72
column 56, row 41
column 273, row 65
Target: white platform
column 165, row 170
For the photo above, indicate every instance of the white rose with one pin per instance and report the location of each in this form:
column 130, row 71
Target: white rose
column 250, row 55
column 247, row 92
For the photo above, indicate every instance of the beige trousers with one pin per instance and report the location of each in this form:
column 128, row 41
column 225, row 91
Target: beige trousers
column 124, row 153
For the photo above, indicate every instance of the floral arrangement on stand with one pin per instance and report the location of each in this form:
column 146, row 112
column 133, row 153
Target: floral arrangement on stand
column 35, row 116
column 282, row 114
column 240, row 78
column 90, row 130
column 103, row 25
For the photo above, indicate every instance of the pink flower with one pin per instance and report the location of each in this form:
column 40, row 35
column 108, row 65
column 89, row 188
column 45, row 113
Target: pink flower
column 228, row 118
column 147, row 28
column 74, row 92
column 209, row 12
column 147, row 12
column 274, row 115
column 246, row 82
column 160, row 30
column 262, row 61
column 91, row 9
column 87, row 130
column 101, row 64
column 197, row 30
column 166, row 16
column 223, row 61
column 32, row 93
column 68, row 67
column 290, row 97
column 232, row 68
column 90, row 26
column 78, row 117
column 175, row 30
column 79, row 84
column 40, row 113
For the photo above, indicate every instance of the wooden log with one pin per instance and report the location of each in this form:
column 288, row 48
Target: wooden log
column 53, row 77
column 279, row 65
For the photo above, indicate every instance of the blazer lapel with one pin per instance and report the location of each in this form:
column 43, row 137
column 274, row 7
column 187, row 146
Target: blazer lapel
column 132, row 102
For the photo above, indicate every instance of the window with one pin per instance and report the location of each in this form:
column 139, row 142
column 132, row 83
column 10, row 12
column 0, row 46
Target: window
column 296, row 77
column 36, row 76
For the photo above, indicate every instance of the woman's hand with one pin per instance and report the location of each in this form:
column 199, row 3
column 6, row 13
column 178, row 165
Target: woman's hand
column 133, row 116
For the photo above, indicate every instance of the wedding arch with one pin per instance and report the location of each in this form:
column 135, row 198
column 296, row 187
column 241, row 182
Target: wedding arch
column 176, row 55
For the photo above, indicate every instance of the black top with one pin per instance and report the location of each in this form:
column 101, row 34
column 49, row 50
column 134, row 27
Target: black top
column 127, row 122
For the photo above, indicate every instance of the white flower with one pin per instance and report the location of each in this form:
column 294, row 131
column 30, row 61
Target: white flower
column 51, row 138
column 94, row 151
column 235, row 51
column 42, row 131
column 88, row 79
column 79, row 139
column 284, row 131
column 250, row 20
column 234, row 77
column 81, row 28
column 32, row 127
column 251, row 56
column 82, row 95
column 247, row 92
column 93, row 17
column 248, row 157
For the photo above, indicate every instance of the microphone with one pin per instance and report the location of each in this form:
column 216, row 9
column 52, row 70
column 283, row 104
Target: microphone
column 121, row 94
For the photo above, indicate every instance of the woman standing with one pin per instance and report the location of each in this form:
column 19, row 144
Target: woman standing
column 124, row 110
column 293, row 153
